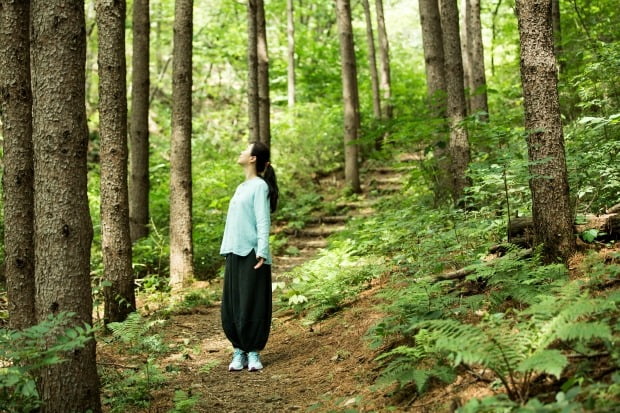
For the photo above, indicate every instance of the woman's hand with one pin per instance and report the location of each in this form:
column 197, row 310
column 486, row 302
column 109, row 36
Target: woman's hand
column 261, row 260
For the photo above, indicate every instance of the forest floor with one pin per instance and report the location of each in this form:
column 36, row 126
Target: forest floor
column 325, row 366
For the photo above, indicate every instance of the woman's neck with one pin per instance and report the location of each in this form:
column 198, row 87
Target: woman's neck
column 250, row 172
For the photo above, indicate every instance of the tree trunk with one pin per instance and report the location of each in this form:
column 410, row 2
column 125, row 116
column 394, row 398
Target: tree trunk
column 17, row 180
column 253, row 109
column 475, row 49
column 458, row 147
column 263, row 75
column 608, row 225
column 119, row 294
column 63, row 228
column 290, row 35
column 463, row 10
column 181, row 249
column 384, row 52
column 139, row 134
column 432, row 40
column 551, row 209
column 372, row 62
column 350, row 95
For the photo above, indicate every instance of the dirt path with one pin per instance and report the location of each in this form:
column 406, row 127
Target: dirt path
column 323, row 367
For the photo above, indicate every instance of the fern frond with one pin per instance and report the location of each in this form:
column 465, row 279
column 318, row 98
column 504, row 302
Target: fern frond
column 544, row 361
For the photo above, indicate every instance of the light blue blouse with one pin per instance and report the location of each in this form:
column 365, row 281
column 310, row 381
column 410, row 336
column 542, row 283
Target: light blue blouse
column 248, row 221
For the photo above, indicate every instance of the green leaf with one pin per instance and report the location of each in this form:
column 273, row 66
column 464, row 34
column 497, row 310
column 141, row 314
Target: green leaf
column 544, row 361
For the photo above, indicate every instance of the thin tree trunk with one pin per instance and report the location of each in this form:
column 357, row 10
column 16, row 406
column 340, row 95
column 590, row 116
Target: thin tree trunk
column 17, row 180
column 139, row 133
column 458, row 147
column 432, row 40
column 264, row 122
column 384, row 52
column 551, row 210
column 119, row 294
column 350, row 95
column 181, row 249
column 372, row 62
column 464, row 15
column 253, row 111
column 63, row 228
column 475, row 48
column 290, row 35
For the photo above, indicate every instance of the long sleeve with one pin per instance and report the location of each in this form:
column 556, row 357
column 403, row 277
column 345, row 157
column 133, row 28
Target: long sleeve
column 248, row 221
column 263, row 220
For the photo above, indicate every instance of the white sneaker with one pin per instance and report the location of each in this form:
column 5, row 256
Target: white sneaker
column 254, row 363
column 239, row 361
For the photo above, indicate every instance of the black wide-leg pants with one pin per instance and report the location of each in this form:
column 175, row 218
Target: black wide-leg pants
column 246, row 302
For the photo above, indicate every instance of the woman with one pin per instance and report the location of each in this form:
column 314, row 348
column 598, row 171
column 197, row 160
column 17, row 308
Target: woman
column 246, row 298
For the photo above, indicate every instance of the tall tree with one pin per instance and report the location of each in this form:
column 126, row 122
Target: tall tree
column 350, row 95
column 384, row 52
column 63, row 228
column 551, row 210
column 475, row 50
column 458, row 146
column 181, row 248
column 17, row 180
column 465, row 54
column 290, row 36
column 119, row 293
column 432, row 41
column 372, row 62
column 253, row 111
column 264, row 122
column 139, row 133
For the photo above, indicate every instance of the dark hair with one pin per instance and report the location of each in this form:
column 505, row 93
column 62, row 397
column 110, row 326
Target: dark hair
column 265, row 171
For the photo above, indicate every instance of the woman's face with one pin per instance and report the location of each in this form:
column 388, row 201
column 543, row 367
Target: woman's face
column 245, row 157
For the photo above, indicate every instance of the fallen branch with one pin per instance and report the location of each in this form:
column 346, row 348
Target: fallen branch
column 464, row 272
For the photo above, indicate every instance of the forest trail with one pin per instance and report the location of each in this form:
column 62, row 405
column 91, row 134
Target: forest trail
column 323, row 367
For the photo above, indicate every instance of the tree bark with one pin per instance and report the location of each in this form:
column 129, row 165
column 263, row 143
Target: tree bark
column 253, row 109
column 551, row 209
column 384, row 52
column 119, row 294
column 463, row 11
column 63, row 228
column 264, row 121
column 181, row 248
column 139, row 133
column 458, row 147
column 475, row 49
column 290, row 36
column 350, row 95
column 17, row 180
column 372, row 62
column 432, row 40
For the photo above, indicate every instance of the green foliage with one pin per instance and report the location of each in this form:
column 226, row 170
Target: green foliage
column 184, row 403
column 322, row 286
column 129, row 388
column 24, row 353
column 134, row 331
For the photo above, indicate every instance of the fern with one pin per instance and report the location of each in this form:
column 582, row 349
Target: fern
column 134, row 330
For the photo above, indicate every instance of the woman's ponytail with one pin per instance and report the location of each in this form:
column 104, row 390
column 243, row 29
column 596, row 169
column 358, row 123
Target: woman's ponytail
column 265, row 171
column 270, row 177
